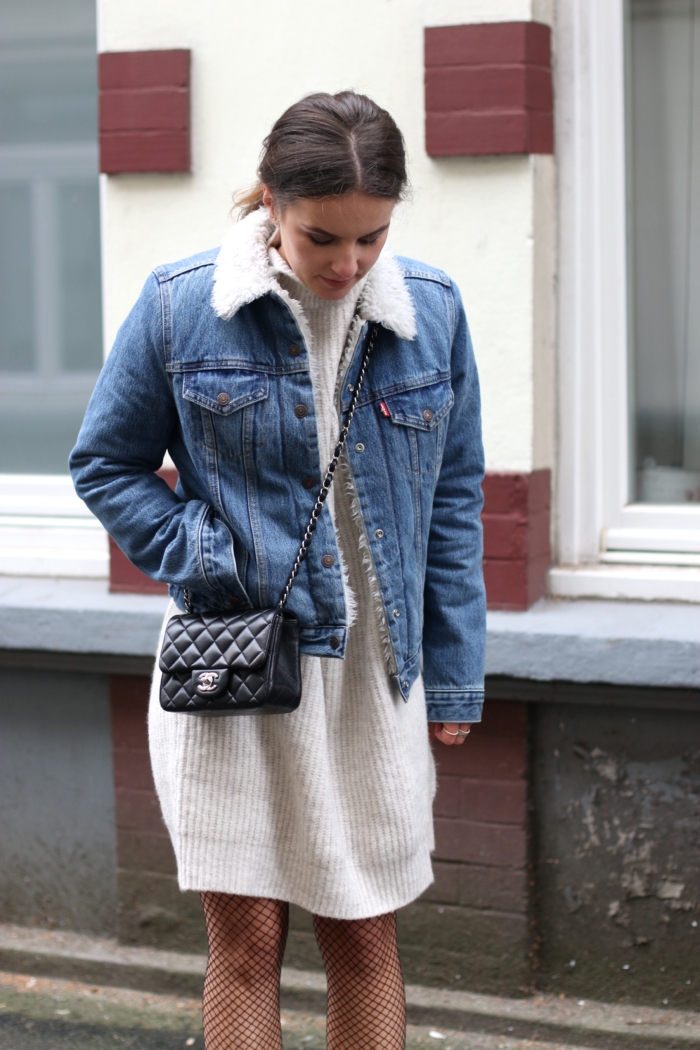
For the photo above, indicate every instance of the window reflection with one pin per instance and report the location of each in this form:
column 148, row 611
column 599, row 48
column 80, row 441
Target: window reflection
column 50, row 311
column 664, row 179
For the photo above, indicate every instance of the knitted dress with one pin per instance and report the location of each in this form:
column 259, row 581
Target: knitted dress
column 329, row 807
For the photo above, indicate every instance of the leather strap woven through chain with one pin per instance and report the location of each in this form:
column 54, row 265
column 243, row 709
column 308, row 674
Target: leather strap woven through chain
column 328, row 480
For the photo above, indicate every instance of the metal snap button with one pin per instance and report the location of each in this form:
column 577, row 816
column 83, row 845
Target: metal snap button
column 379, row 533
column 359, row 447
column 222, row 399
column 327, row 561
column 300, row 411
column 334, row 642
column 309, row 483
column 396, row 614
column 350, row 388
column 428, row 414
column 294, row 350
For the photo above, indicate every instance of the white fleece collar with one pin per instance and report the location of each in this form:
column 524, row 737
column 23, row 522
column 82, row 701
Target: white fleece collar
column 243, row 273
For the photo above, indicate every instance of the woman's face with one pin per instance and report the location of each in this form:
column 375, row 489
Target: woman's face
column 330, row 244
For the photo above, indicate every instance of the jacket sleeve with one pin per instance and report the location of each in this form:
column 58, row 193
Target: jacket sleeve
column 454, row 633
column 129, row 424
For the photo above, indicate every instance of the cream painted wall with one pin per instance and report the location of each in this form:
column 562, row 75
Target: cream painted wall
column 477, row 218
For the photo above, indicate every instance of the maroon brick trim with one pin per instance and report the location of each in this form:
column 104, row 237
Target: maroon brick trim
column 144, row 111
column 143, row 843
column 516, row 542
column 516, row 521
column 124, row 577
column 488, row 89
column 481, row 813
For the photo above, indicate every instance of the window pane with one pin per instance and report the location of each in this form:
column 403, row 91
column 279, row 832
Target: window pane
column 664, row 180
column 50, row 310
column 16, row 326
column 79, row 246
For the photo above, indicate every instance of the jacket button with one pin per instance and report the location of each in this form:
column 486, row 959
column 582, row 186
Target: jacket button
column 327, row 561
column 234, row 603
column 397, row 613
column 222, row 399
column 334, row 642
column 300, row 411
column 309, row 483
column 379, row 533
column 294, row 350
column 359, row 447
column 428, row 414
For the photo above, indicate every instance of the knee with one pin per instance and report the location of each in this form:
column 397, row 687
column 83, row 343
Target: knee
column 246, row 936
column 365, row 946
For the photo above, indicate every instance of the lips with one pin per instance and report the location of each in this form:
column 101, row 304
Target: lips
column 337, row 284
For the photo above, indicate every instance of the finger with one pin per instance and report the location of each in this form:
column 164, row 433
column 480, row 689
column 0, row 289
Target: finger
column 442, row 733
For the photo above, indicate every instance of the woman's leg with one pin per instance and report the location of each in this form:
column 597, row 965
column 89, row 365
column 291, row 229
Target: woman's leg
column 366, row 1003
column 241, row 1002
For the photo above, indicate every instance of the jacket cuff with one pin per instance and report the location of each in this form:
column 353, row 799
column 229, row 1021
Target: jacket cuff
column 454, row 706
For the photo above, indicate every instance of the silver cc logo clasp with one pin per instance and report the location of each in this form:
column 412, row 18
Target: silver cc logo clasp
column 208, row 681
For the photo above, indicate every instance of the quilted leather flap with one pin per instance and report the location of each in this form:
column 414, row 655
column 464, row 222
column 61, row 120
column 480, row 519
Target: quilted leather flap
column 239, row 641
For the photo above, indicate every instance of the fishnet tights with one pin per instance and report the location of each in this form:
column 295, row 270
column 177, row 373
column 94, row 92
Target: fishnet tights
column 366, row 1005
column 241, row 1000
column 247, row 936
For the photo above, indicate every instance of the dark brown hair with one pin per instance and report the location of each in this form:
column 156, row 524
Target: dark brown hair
column 327, row 145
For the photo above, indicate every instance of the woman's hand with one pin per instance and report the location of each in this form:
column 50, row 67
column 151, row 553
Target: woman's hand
column 450, row 732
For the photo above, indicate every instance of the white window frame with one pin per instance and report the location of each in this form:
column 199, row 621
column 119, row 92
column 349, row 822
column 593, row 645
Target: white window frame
column 606, row 545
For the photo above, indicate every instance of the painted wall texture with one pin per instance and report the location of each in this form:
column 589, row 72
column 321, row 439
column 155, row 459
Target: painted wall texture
column 57, row 801
column 487, row 221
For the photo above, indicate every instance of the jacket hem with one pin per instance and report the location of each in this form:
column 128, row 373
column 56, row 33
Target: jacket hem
column 454, row 707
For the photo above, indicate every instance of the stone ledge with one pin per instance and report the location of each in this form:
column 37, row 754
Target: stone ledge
column 651, row 644
column 617, row 643
column 77, row 616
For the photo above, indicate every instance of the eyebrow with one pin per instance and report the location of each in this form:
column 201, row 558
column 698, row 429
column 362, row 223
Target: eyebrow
column 325, row 233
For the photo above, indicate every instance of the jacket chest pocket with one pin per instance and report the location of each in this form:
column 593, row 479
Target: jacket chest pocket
column 227, row 408
column 417, row 416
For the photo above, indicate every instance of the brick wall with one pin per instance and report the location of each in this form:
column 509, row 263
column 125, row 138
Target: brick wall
column 150, row 907
column 481, row 814
column 471, row 929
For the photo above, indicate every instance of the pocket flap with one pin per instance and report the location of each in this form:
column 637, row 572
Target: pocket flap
column 224, row 390
column 240, row 641
column 422, row 407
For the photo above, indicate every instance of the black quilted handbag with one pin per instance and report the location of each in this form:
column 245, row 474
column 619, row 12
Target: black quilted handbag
column 244, row 663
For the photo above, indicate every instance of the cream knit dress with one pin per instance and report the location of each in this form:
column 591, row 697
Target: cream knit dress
column 329, row 807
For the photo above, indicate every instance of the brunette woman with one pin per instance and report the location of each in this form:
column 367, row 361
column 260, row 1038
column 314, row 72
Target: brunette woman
column 240, row 363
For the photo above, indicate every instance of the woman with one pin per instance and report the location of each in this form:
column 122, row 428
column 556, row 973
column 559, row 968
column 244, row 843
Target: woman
column 239, row 362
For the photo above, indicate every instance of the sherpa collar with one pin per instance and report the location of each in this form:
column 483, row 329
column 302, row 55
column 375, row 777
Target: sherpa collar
column 243, row 273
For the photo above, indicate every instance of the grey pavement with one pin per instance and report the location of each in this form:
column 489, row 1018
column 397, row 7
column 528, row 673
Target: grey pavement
column 113, row 1003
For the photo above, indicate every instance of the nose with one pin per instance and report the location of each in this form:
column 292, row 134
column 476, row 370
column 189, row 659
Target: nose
column 345, row 264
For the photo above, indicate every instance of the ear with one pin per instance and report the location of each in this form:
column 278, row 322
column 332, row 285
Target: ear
column 269, row 201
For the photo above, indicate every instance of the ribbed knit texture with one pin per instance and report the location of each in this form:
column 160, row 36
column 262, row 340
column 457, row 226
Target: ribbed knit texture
column 330, row 807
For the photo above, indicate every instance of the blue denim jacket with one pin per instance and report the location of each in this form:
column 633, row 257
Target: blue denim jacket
column 211, row 365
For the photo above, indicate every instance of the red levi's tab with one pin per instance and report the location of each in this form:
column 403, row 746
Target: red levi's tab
column 384, row 409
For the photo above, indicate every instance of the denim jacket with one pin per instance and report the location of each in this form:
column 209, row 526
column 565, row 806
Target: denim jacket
column 211, row 365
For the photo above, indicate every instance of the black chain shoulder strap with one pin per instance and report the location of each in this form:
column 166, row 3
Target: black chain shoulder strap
column 328, row 480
